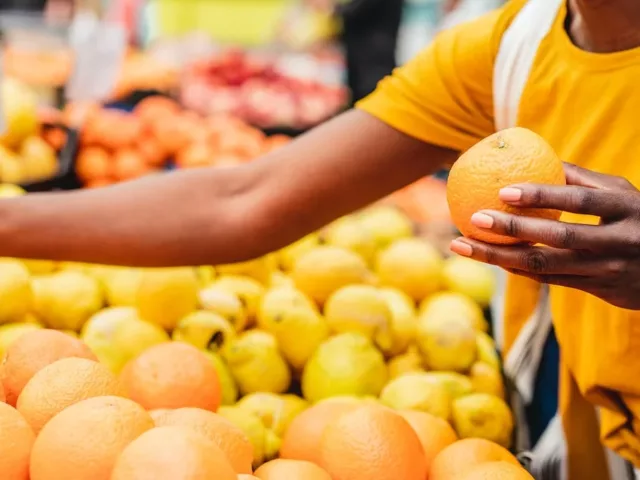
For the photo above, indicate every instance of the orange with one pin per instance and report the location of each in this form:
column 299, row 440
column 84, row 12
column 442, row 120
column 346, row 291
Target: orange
column 113, row 129
column 497, row 471
column 509, row 157
column 99, row 183
column 129, row 164
column 56, row 137
column 93, row 163
column 3, row 397
column 244, row 476
column 32, row 352
column 435, row 434
column 461, row 457
column 16, row 438
column 84, row 440
column 154, row 107
column 62, row 384
column 195, row 155
column 175, row 133
column 291, row 470
column 172, row 453
column 159, row 414
column 372, row 442
column 302, row 438
column 231, row 440
column 173, row 375
column 151, row 151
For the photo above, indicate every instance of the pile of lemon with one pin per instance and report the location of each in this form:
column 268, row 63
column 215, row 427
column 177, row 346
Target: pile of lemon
column 360, row 309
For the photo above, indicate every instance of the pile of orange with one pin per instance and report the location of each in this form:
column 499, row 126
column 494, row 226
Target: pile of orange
column 118, row 146
column 67, row 416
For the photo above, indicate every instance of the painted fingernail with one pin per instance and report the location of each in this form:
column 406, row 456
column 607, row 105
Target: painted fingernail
column 461, row 248
column 510, row 194
column 482, row 220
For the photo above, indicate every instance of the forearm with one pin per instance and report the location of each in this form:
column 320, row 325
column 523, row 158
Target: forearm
column 185, row 218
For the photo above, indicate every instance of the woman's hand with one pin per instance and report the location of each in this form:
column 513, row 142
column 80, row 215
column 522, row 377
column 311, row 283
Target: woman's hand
column 603, row 259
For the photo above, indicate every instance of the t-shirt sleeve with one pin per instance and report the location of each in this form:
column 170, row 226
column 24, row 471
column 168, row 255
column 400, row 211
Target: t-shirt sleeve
column 444, row 96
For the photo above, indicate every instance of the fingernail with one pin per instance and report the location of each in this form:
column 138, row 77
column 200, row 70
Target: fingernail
column 510, row 194
column 461, row 248
column 482, row 220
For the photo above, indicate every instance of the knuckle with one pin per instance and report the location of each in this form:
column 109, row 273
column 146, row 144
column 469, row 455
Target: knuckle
column 490, row 256
column 512, row 226
column 615, row 268
column 622, row 183
column 583, row 200
column 564, row 237
column 535, row 262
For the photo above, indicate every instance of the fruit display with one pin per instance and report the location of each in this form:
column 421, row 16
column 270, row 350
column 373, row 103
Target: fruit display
column 358, row 352
column 117, row 145
column 253, row 88
column 27, row 153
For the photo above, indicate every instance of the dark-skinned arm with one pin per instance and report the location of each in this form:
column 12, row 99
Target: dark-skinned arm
column 222, row 215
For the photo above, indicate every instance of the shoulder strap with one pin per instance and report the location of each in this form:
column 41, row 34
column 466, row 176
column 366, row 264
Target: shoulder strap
column 516, row 55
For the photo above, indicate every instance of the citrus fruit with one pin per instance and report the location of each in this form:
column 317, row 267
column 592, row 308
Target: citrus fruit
column 372, row 442
column 414, row 391
column 404, row 319
column 411, row 265
column 386, row 224
column 172, row 375
column 283, row 469
column 456, row 384
column 469, row 277
column 279, row 300
column 409, row 362
column 121, row 286
column 66, row 300
column 227, row 382
column 232, row 441
column 117, row 335
column 226, row 304
column 259, row 269
column 349, row 233
column 61, row 384
column 93, row 163
column 32, row 352
column 509, row 157
column 448, row 345
column 84, row 440
column 10, row 332
column 497, row 471
column 486, row 379
column 435, row 434
column 360, row 309
column 256, row 363
column 288, row 256
column 347, row 364
column 248, row 290
column 15, row 291
column 453, row 305
column 253, row 428
column 16, row 438
column 325, row 269
column 276, row 411
column 205, row 330
column 458, row 459
column 302, row 439
column 483, row 416
column 172, row 453
column 487, row 352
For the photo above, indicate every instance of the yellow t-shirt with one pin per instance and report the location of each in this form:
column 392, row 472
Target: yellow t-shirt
column 585, row 105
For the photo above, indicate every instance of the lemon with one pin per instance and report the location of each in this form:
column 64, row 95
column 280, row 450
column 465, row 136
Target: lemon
column 20, row 110
column 279, row 300
column 280, row 279
column 288, row 256
column 248, row 290
column 487, row 350
column 453, row 305
column 205, row 330
column 276, row 411
column 472, row 278
column 347, row 364
column 259, row 269
column 40, row 267
column 415, row 391
column 299, row 331
column 15, row 291
column 121, row 286
column 167, row 295
column 10, row 332
column 404, row 319
column 486, row 379
column 483, row 416
column 447, row 345
column 227, row 383
column 8, row 190
column 66, row 300
column 226, row 304
column 325, row 269
column 409, row 362
column 456, row 384
column 361, row 309
column 116, row 335
column 256, row 364
column 386, row 224
column 253, row 428
column 206, row 274
column 11, row 167
column 39, row 159
column 349, row 233
column 272, row 444
column 411, row 265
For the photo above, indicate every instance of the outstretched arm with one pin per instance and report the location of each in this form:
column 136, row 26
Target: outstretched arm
column 221, row 215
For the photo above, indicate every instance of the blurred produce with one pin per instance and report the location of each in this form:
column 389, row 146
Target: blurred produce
column 252, row 88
